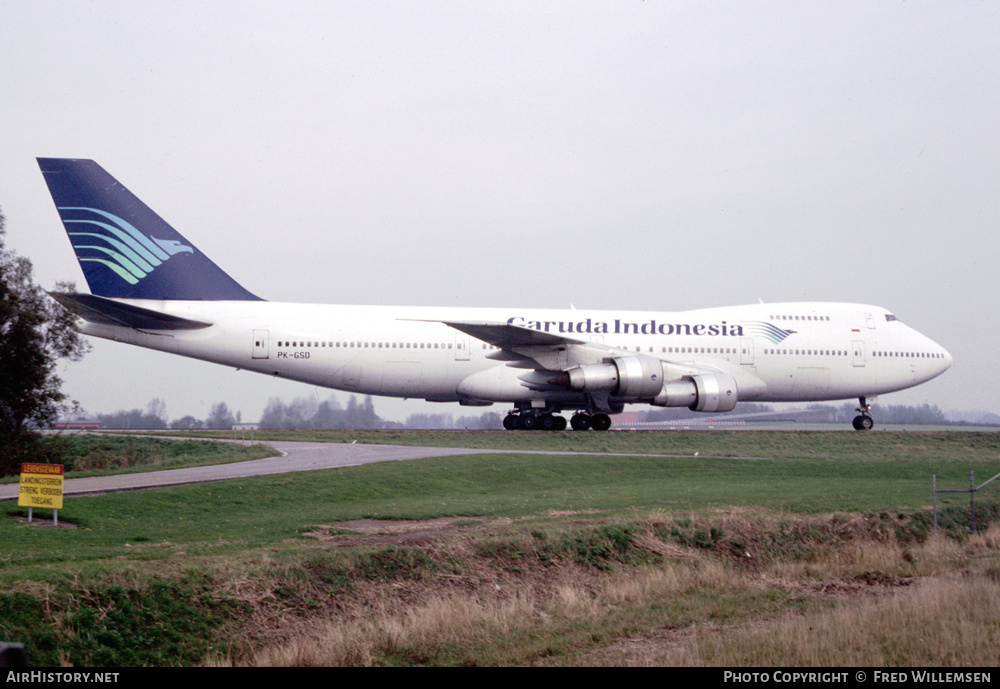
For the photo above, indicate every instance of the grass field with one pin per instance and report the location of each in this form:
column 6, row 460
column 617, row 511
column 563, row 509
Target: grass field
column 790, row 444
column 518, row 559
column 94, row 454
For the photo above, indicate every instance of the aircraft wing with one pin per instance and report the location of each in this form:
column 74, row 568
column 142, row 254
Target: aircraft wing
column 542, row 352
column 506, row 336
column 537, row 350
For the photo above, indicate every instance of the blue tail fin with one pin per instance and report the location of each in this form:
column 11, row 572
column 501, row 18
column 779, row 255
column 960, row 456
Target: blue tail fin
column 124, row 248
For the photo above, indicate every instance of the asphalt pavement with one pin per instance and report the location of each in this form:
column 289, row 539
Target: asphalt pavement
column 295, row 457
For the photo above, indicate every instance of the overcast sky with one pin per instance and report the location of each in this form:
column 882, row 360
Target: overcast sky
column 618, row 155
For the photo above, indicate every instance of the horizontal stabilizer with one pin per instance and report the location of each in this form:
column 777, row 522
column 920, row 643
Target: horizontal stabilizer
column 109, row 312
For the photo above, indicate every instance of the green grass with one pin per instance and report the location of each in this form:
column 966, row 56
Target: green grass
column 260, row 512
column 102, row 454
column 133, row 583
column 790, row 444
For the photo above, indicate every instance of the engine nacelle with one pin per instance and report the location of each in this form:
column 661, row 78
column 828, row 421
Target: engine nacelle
column 640, row 378
column 631, row 377
column 708, row 392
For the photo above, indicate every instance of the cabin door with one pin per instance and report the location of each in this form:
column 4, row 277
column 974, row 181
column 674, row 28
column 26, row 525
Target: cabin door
column 859, row 353
column 260, row 346
column 461, row 347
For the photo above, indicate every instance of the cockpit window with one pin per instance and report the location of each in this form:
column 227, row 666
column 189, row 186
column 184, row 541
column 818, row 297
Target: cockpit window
column 890, row 317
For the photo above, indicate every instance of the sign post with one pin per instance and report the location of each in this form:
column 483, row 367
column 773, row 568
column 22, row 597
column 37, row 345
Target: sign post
column 42, row 486
column 244, row 427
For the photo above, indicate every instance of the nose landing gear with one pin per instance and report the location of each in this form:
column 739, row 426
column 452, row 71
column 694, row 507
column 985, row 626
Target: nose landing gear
column 864, row 422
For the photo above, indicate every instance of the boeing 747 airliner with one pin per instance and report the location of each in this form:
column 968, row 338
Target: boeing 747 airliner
column 153, row 288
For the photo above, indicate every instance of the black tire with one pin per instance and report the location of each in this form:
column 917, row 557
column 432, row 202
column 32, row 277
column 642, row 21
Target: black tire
column 511, row 422
column 600, row 422
column 580, row 422
column 528, row 422
column 863, row 423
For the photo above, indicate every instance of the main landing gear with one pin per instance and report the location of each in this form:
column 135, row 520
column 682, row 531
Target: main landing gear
column 527, row 421
column 545, row 421
column 864, row 422
column 597, row 422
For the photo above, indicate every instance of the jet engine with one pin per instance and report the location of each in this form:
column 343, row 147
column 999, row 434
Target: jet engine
column 641, row 378
column 708, row 392
column 630, row 377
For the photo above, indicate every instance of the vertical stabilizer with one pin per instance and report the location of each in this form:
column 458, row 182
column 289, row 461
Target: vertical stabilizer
column 125, row 249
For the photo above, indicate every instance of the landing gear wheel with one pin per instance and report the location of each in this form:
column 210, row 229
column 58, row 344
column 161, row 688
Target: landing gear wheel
column 580, row 422
column 512, row 422
column 863, row 423
column 600, row 422
column 547, row 422
column 528, row 422
column 560, row 423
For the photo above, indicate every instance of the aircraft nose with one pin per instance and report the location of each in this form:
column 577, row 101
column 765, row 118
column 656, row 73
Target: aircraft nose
column 943, row 357
column 947, row 360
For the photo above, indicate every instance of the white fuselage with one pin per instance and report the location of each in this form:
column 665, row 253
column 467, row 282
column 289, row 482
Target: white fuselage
column 775, row 352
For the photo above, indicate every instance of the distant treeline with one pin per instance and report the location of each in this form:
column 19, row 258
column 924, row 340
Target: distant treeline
column 924, row 414
column 305, row 412
column 488, row 421
column 300, row 413
column 311, row 413
column 155, row 418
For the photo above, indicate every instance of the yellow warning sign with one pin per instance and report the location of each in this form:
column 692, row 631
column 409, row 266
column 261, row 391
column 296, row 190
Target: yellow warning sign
column 41, row 486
